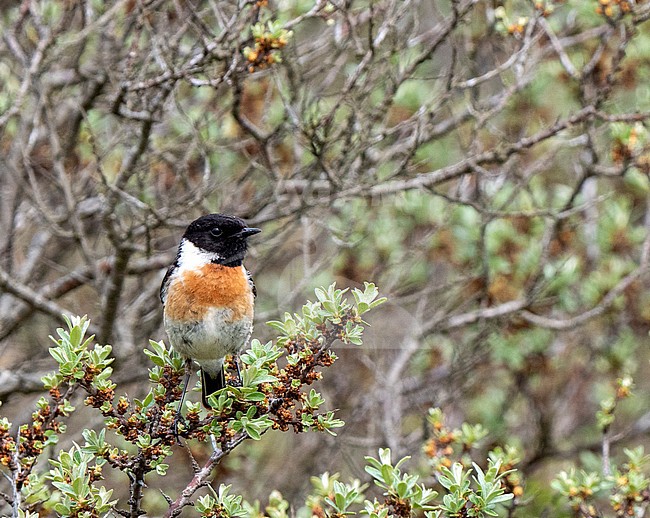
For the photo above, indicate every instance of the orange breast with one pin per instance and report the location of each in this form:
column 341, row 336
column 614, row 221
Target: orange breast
column 193, row 293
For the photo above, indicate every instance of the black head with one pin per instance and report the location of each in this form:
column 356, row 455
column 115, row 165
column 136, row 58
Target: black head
column 222, row 235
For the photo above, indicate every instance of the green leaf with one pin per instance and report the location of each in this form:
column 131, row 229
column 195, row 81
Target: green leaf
column 75, row 337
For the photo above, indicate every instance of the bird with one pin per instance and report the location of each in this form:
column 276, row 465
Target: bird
column 208, row 298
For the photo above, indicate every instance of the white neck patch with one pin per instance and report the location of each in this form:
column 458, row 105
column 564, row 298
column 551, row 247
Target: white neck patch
column 192, row 257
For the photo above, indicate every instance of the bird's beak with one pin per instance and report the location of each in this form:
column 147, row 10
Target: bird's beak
column 247, row 232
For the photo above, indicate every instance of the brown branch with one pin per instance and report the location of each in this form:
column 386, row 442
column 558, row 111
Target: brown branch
column 31, row 297
column 564, row 324
column 493, row 156
column 26, row 382
column 201, row 477
column 43, row 300
column 112, row 295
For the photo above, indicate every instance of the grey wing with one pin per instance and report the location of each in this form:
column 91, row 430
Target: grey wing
column 250, row 282
column 165, row 284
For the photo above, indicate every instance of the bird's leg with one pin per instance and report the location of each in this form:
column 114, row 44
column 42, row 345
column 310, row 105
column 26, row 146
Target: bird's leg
column 235, row 359
column 178, row 416
column 232, row 361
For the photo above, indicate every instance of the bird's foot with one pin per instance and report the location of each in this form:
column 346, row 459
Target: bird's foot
column 178, row 419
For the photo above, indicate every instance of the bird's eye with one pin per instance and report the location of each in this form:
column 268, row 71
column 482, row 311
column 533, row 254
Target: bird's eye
column 216, row 232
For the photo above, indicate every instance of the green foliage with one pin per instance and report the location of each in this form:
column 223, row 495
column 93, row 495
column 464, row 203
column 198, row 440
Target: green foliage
column 605, row 415
column 221, row 503
column 72, row 475
column 463, row 500
column 268, row 37
column 400, row 488
column 274, row 393
column 454, row 484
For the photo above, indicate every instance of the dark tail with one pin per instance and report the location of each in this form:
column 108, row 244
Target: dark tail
column 210, row 384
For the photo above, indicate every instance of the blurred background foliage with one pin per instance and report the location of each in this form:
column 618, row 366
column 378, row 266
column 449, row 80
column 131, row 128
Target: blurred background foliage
column 484, row 162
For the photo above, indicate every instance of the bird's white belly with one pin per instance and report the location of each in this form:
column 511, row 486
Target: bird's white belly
column 211, row 338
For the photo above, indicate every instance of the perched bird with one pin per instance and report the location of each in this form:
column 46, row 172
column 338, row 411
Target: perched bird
column 208, row 297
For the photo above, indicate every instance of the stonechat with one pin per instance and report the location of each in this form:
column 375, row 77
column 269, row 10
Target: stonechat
column 208, row 297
